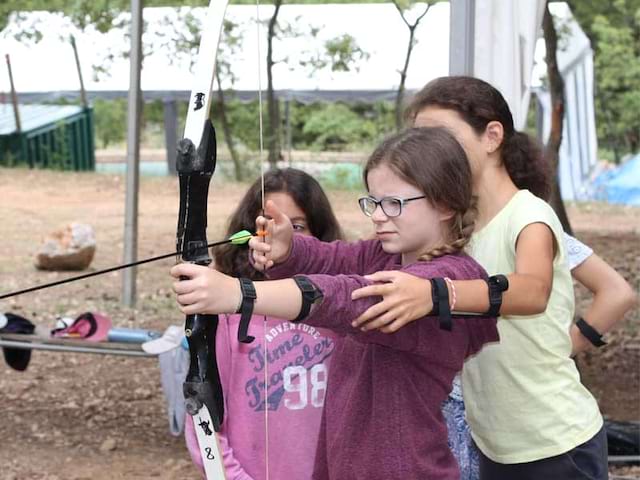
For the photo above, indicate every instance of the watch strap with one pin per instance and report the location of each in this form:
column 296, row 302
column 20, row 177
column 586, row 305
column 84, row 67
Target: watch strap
column 497, row 285
column 249, row 297
column 440, row 300
column 310, row 294
column 590, row 333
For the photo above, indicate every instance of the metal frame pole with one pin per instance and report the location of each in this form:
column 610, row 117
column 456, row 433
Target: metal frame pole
column 461, row 36
column 133, row 157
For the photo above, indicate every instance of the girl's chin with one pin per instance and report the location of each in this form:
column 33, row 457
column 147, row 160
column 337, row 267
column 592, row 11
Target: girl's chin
column 390, row 247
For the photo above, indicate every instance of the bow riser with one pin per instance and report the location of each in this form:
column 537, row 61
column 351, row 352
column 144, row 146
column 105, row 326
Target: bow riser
column 202, row 388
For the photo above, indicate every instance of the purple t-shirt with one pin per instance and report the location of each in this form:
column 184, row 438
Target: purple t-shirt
column 382, row 416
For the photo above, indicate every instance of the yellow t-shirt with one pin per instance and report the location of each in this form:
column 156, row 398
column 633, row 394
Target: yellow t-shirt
column 523, row 395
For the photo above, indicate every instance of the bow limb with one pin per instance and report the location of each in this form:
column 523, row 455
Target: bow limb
column 196, row 162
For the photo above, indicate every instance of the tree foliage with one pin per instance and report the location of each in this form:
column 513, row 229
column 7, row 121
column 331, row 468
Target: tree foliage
column 334, row 126
column 613, row 27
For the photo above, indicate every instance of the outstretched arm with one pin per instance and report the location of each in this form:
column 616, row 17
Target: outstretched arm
column 213, row 292
column 209, row 291
column 407, row 298
column 282, row 254
column 612, row 298
column 206, row 290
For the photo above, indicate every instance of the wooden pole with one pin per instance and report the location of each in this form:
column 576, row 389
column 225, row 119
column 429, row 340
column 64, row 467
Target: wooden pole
column 83, row 94
column 14, row 96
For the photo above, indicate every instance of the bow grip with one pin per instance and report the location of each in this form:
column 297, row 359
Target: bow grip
column 195, row 168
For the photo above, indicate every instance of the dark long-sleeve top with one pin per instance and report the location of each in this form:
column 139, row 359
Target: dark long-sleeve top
column 382, row 416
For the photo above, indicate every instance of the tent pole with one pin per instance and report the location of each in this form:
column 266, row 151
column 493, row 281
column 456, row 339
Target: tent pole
column 461, row 36
column 170, row 109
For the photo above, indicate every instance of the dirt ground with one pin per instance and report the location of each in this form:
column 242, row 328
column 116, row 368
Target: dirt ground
column 74, row 416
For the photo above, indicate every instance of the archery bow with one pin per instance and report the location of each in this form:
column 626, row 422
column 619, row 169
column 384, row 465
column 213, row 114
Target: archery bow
column 196, row 162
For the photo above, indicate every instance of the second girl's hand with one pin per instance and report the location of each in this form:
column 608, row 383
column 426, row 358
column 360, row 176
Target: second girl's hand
column 275, row 246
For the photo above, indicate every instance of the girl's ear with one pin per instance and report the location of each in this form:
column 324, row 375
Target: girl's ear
column 446, row 214
column 493, row 136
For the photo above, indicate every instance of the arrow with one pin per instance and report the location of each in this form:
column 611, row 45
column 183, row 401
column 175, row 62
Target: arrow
column 239, row 238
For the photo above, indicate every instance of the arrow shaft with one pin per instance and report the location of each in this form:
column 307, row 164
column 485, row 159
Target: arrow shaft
column 102, row 272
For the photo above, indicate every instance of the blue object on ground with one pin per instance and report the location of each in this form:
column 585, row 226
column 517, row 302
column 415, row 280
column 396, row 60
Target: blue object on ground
column 620, row 185
column 132, row 335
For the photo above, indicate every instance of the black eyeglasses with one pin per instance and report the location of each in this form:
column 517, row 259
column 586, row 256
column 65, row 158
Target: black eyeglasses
column 391, row 206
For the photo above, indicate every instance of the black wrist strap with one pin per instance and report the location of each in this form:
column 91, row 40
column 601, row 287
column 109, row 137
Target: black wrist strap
column 497, row 284
column 246, row 309
column 590, row 333
column 310, row 293
column 440, row 300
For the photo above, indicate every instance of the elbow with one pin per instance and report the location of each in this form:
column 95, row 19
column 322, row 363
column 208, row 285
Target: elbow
column 628, row 299
column 540, row 299
column 620, row 294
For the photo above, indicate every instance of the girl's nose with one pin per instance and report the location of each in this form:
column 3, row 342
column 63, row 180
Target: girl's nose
column 378, row 215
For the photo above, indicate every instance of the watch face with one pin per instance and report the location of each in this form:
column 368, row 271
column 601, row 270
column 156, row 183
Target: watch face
column 500, row 281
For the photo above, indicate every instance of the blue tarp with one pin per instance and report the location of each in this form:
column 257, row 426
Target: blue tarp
column 620, row 185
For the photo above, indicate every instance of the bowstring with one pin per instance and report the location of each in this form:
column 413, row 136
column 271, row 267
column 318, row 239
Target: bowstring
column 261, row 159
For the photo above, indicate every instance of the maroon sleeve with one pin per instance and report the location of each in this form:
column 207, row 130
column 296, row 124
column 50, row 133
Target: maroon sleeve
column 423, row 336
column 312, row 256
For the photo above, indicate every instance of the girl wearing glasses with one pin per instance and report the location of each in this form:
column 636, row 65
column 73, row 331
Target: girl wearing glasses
column 384, row 390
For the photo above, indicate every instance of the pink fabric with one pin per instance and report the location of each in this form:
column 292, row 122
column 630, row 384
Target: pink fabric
column 297, row 366
column 81, row 328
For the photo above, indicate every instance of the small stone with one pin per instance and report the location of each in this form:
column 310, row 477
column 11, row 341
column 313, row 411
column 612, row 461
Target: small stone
column 109, row 445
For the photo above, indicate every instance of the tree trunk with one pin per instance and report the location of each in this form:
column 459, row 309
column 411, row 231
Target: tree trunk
column 273, row 107
column 556, row 88
column 403, row 73
column 403, row 78
column 226, row 129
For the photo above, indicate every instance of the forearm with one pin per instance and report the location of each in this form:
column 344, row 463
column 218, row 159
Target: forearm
column 608, row 308
column 605, row 311
column 311, row 256
column 335, row 311
column 612, row 298
column 526, row 296
column 278, row 298
column 283, row 299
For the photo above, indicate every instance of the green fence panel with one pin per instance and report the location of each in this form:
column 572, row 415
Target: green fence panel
column 56, row 137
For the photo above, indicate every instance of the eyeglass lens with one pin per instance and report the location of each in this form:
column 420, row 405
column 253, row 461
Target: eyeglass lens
column 390, row 206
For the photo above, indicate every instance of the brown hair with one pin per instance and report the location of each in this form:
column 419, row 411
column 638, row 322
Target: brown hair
column 305, row 191
column 479, row 103
column 432, row 160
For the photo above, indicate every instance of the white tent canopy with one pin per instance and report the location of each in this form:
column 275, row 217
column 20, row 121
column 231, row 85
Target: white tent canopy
column 504, row 38
column 48, row 66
